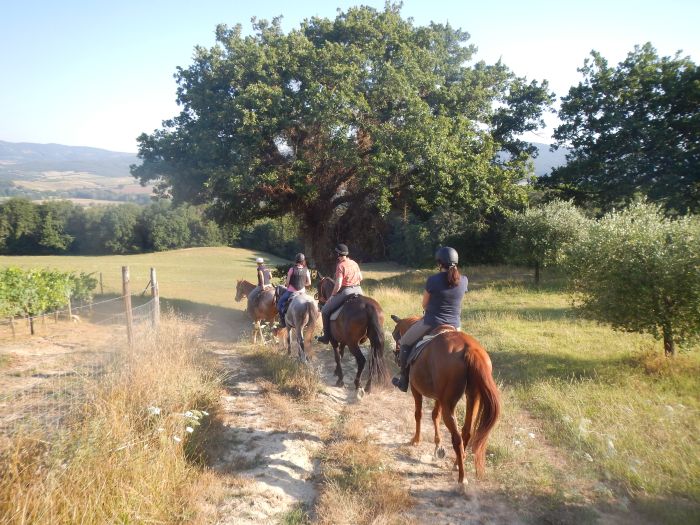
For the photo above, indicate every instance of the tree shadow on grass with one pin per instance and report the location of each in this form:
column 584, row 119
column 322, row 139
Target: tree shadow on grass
column 522, row 368
column 222, row 324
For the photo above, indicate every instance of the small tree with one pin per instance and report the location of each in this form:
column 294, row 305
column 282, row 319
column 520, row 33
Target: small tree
column 540, row 235
column 640, row 272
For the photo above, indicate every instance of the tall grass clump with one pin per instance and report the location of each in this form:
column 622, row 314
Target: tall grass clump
column 358, row 487
column 124, row 455
column 292, row 377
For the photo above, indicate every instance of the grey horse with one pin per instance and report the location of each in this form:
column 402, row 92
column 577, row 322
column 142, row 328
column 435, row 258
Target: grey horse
column 302, row 313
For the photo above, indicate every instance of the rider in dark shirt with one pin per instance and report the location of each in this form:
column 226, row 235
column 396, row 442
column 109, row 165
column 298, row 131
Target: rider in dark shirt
column 442, row 304
column 298, row 278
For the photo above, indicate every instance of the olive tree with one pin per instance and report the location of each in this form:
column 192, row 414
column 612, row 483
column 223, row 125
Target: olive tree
column 540, row 235
column 640, row 271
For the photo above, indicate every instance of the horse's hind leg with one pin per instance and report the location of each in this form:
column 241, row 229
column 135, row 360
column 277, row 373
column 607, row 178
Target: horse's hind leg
column 473, row 404
column 289, row 340
column 418, row 413
column 448, row 416
column 338, row 369
column 256, row 328
column 360, row 363
column 437, row 412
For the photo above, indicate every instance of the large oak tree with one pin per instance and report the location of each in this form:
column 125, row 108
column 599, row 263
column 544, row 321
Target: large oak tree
column 364, row 112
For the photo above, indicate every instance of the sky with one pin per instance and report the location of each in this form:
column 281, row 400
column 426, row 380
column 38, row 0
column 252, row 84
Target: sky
column 99, row 73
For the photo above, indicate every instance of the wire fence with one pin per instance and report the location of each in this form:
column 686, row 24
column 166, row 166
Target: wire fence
column 52, row 380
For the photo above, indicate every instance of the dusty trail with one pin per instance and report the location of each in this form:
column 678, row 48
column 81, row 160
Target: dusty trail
column 269, row 445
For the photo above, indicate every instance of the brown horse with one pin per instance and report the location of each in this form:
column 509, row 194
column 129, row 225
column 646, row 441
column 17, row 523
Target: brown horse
column 361, row 319
column 451, row 365
column 261, row 307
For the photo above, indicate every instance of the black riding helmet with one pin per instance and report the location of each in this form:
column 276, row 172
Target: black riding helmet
column 447, row 256
column 341, row 249
column 299, row 258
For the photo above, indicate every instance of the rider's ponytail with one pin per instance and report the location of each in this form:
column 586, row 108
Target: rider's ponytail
column 453, row 276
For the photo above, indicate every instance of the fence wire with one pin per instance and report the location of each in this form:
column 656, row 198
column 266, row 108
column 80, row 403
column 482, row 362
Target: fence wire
column 48, row 394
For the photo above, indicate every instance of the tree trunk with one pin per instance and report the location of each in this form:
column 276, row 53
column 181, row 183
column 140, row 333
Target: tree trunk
column 537, row 273
column 669, row 345
column 318, row 241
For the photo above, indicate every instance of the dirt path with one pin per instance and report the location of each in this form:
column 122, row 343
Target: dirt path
column 269, row 446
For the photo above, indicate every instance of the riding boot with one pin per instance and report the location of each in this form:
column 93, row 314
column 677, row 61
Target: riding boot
column 325, row 338
column 401, row 381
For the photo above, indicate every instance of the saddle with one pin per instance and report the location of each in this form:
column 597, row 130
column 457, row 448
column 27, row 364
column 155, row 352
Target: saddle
column 336, row 312
column 423, row 342
column 289, row 301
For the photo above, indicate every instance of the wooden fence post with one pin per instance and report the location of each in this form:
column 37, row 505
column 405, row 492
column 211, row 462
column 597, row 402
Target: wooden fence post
column 70, row 310
column 127, row 306
column 102, row 290
column 155, row 293
column 12, row 325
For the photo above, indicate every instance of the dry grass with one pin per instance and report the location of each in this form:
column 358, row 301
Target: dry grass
column 114, row 461
column 358, row 487
column 291, row 377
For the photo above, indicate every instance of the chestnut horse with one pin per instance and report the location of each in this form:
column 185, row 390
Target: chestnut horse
column 451, row 365
column 261, row 306
column 361, row 319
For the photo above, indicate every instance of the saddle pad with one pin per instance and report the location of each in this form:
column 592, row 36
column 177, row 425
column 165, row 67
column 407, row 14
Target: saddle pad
column 420, row 345
column 336, row 313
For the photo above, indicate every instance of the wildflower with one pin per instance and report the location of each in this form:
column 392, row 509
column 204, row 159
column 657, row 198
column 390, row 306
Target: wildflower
column 205, row 412
column 160, row 429
column 611, row 446
column 188, row 414
column 189, row 429
column 176, row 439
column 153, row 411
column 531, row 435
column 517, row 443
column 587, row 457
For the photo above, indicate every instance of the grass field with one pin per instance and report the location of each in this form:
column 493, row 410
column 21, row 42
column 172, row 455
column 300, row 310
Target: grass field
column 592, row 417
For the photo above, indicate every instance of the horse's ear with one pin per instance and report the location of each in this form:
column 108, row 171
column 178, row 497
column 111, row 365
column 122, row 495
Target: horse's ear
column 395, row 318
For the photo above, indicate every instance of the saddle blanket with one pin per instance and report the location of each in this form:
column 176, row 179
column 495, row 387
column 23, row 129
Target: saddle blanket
column 336, row 313
column 422, row 343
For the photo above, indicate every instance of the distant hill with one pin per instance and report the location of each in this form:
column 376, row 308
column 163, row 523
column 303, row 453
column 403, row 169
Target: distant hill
column 26, row 160
column 546, row 160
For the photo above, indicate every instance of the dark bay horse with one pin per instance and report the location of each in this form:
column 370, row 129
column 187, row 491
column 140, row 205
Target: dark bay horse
column 451, row 365
column 261, row 306
column 360, row 320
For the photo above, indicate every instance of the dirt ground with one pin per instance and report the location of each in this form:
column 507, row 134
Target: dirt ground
column 269, row 447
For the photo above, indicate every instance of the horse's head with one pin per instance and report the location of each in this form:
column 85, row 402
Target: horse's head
column 325, row 289
column 401, row 326
column 240, row 291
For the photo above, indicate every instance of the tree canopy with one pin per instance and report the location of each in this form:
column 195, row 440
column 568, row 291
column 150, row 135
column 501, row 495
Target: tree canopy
column 634, row 130
column 340, row 121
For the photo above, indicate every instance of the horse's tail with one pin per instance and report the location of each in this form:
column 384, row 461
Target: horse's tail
column 375, row 333
column 480, row 379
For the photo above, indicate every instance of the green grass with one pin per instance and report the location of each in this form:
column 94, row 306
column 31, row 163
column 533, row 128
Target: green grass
column 199, row 275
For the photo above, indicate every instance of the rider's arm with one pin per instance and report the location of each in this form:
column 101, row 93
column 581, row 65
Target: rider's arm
column 261, row 279
column 336, row 286
column 308, row 278
column 286, row 279
column 426, row 298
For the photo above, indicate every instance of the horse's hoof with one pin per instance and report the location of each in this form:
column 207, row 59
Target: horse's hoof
column 440, row 452
column 340, row 383
column 462, row 487
column 360, row 393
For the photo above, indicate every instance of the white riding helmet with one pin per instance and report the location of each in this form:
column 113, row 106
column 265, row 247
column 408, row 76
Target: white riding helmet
column 259, row 260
